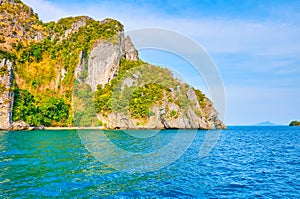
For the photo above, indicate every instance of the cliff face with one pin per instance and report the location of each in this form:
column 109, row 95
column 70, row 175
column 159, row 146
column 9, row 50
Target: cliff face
column 6, row 95
column 103, row 60
column 78, row 71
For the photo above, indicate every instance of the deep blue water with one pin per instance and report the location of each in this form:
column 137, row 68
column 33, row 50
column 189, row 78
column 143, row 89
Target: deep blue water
column 245, row 162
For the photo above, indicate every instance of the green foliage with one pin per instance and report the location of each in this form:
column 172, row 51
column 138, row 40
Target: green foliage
column 34, row 52
column 3, row 71
column 174, row 114
column 143, row 98
column 152, row 86
column 201, row 98
column 24, row 106
column 2, row 39
column 294, row 123
column 7, row 55
column 103, row 98
column 44, row 98
column 137, row 99
column 39, row 63
column 126, row 65
column 17, row 1
column 2, row 88
column 54, row 112
column 84, row 109
column 49, row 111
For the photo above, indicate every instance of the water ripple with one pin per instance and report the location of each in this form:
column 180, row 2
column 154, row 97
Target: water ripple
column 247, row 162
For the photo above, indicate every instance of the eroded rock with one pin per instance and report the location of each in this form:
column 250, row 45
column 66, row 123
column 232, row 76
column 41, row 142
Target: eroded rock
column 20, row 126
column 6, row 95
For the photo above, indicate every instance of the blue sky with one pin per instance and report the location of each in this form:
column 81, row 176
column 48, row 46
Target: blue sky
column 255, row 44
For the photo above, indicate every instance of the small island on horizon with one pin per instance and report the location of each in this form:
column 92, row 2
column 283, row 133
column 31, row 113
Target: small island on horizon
column 267, row 123
column 294, row 123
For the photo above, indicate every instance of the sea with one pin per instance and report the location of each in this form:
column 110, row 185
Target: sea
column 240, row 162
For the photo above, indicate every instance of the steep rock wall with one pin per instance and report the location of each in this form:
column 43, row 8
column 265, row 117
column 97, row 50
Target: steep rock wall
column 103, row 64
column 103, row 60
column 6, row 96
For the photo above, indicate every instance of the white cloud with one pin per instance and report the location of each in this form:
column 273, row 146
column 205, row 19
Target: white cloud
column 46, row 10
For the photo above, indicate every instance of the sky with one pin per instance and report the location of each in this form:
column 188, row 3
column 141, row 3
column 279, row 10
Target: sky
column 254, row 44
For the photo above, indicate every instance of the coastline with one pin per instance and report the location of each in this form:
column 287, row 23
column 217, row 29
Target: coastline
column 98, row 128
column 74, row 128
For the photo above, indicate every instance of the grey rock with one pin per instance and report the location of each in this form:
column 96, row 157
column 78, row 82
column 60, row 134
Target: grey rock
column 103, row 60
column 135, row 76
column 80, row 68
column 162, row 111
column 128, row 82
column 38, row 127
column 79, row 24
column 38, row 36
column 129, row 49
column 75, row 27
column 6, row 96
column 190, row 94
column 116, row 121
column 63, row 73
column 103, row 64
column 20, row 126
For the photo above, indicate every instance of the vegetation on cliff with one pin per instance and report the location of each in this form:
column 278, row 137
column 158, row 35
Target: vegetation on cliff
column 46, row 57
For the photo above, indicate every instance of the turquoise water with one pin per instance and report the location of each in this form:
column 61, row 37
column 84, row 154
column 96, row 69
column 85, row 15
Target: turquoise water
column 246, row 162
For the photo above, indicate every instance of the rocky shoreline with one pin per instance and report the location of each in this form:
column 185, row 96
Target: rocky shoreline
column 20, row 126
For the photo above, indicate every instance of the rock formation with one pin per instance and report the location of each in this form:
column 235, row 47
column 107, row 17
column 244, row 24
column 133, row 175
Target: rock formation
column 48, row 57
column 103, row 61
column 161, row 117
column 7, row 98
column 103, row 64
column 6, row 95
column 129, row 50
column 20, row 126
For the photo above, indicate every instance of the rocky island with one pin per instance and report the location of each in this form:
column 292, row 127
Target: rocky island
column 82, row 72
column 294, row 123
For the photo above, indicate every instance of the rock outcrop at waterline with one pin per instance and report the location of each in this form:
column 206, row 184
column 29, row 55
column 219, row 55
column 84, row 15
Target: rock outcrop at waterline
column 82, row 72
column 6, row 95
column 7, row 98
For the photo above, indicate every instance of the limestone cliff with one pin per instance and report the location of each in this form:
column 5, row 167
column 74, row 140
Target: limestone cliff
column 103, row 61
column 82, row 72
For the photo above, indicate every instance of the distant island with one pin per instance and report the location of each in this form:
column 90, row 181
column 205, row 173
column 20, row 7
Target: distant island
column 294, row 123
column 267, row 123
